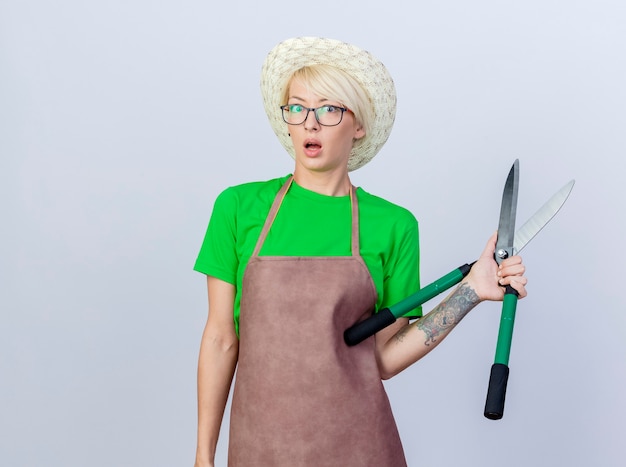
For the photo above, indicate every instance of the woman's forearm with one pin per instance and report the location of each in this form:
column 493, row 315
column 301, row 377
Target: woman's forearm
column 219, row 351
column 216, row 367
column 417, row 339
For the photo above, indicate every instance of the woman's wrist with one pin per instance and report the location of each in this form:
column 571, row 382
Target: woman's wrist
column 203, row 462
column 204, row 457
column 468, row 290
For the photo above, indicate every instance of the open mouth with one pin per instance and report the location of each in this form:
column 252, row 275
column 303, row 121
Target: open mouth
column 312, row 144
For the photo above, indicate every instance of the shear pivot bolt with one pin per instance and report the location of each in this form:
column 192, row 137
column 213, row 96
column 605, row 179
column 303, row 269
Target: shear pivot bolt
column 502, row 254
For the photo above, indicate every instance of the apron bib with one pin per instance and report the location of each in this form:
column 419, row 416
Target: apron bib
column 302, row 397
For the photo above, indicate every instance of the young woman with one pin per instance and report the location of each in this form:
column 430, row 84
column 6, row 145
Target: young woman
column 292, row 262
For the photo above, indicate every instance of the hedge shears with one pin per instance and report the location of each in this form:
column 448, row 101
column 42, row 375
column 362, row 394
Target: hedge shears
column 509, row 243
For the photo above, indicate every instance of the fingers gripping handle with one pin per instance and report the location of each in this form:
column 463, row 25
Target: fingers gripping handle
column 494, row 407
column 361, row 331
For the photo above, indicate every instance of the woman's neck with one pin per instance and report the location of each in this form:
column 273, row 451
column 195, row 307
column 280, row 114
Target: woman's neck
column 324, row 183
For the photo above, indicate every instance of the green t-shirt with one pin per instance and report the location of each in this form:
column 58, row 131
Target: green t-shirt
column 311, row 224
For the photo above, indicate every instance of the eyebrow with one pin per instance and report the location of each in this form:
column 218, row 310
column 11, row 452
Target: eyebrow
column 301, row 99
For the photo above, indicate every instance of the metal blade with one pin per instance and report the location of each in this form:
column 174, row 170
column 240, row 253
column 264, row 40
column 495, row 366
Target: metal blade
column 538, row 221
column 508, row 210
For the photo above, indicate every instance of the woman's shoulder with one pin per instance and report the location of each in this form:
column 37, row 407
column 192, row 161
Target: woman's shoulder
column 378, row 207
column 252, row 191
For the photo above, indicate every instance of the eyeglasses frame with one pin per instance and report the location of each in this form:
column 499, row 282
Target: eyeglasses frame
column 314, row 109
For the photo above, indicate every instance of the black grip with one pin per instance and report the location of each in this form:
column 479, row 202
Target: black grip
column 366, row 328
column 466, row 268
column 494, row 407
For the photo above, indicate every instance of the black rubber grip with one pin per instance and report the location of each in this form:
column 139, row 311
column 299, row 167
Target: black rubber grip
column 494, row 407
column 465, row 269
column 366, row 328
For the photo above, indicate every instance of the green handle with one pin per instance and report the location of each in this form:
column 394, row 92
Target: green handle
column 499, row 377
column 507, row 321
column 362, row 330
column 431, row 290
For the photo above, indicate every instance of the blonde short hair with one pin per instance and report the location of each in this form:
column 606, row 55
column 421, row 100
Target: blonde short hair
column 332, row 83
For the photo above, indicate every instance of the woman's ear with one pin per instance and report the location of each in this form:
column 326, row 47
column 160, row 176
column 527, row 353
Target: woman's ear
column 359, row 132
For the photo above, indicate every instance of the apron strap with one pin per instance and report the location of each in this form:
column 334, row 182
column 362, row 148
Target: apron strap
column 278, row 200
column 269, row 220
column 354, row 205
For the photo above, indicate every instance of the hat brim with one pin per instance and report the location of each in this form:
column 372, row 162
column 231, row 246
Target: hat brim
column 293, row 54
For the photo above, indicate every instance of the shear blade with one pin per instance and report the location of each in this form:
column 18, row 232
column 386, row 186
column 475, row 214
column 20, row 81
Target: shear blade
column 508, row 211
column 544, row 215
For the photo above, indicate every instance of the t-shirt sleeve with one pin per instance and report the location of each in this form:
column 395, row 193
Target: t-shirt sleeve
column 218, row 253
column 402, row 271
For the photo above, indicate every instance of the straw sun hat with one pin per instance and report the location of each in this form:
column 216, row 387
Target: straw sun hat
column 293, row 54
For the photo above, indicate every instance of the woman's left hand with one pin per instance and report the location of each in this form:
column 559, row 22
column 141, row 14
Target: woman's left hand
column 488, row 279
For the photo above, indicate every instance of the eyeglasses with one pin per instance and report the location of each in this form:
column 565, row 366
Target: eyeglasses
column 326, row 115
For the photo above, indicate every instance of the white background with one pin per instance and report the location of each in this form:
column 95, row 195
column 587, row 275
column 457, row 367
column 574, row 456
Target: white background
column 120, row 122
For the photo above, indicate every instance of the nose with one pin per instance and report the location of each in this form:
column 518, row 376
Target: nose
column 310, row 122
